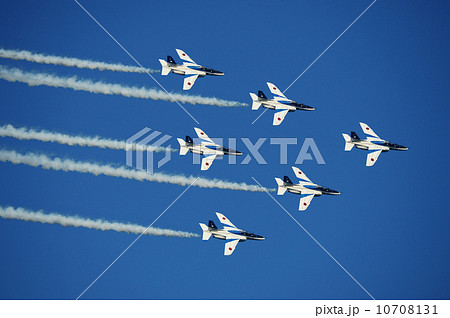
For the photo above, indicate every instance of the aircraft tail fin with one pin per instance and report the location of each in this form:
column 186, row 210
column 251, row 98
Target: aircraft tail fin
column 206, row 233
column 212, row 225
column 261, row 95
column 189, row 140
column 256, row 103
column 165, row 67
column 348, row 142
column 355, row 136
column 170, row 60
column 287, row 180
column 281, row 188
column 183, row 148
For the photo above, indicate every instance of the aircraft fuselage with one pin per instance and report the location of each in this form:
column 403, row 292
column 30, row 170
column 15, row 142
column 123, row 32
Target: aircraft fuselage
column 316, row 189
column 290, row 105
column 205, row 149
column 382, row 145
column 223, row 234
column 199, row 70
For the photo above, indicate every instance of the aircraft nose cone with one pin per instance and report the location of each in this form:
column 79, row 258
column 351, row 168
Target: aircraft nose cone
column 238, row 153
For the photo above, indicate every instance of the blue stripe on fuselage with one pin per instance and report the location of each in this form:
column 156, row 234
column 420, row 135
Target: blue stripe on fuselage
column 213, row 147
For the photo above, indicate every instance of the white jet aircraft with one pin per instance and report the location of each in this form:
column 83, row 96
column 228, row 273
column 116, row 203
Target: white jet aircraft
column 305, row 188
column 189, row 68
column 280, row 103
column 207, row 147
column 374, row 144
column 230, row 233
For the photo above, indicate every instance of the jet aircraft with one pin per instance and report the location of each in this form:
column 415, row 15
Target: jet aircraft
column 189, row 68
column 280, row 103
column 374, row 144
column 305, row 188
column 207, row 147
column 230, row 233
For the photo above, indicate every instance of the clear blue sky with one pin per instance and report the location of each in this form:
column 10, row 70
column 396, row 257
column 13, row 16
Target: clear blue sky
column 388, row 228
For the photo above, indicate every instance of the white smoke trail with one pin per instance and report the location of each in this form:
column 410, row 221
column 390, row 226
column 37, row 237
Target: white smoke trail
column 36, row 79
column 70, row 61
column 76, row 221
column 48, row 136
column 58, row 164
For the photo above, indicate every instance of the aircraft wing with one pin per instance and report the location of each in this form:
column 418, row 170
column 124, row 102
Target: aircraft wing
column 189, row 81
column 207, row 161
column 279, row 117
column 305, row 199
column 301, row 175
column 372, row 157
column 203, row 137
column 277, row 94
column 185, row 58
column 224, row 220
column 230, row 246
column 369, row 132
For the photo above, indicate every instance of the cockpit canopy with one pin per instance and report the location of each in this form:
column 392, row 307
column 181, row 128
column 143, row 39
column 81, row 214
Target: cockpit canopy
column 209, row 70
column 392, row 145
column 326, row 190
column 250, row 234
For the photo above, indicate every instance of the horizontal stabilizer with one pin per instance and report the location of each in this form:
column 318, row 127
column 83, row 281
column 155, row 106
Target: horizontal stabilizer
column 165, row 68
column 348, row 142
column 206, row 232
column 281, row 188
column 256, row 103
column 183, row 148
